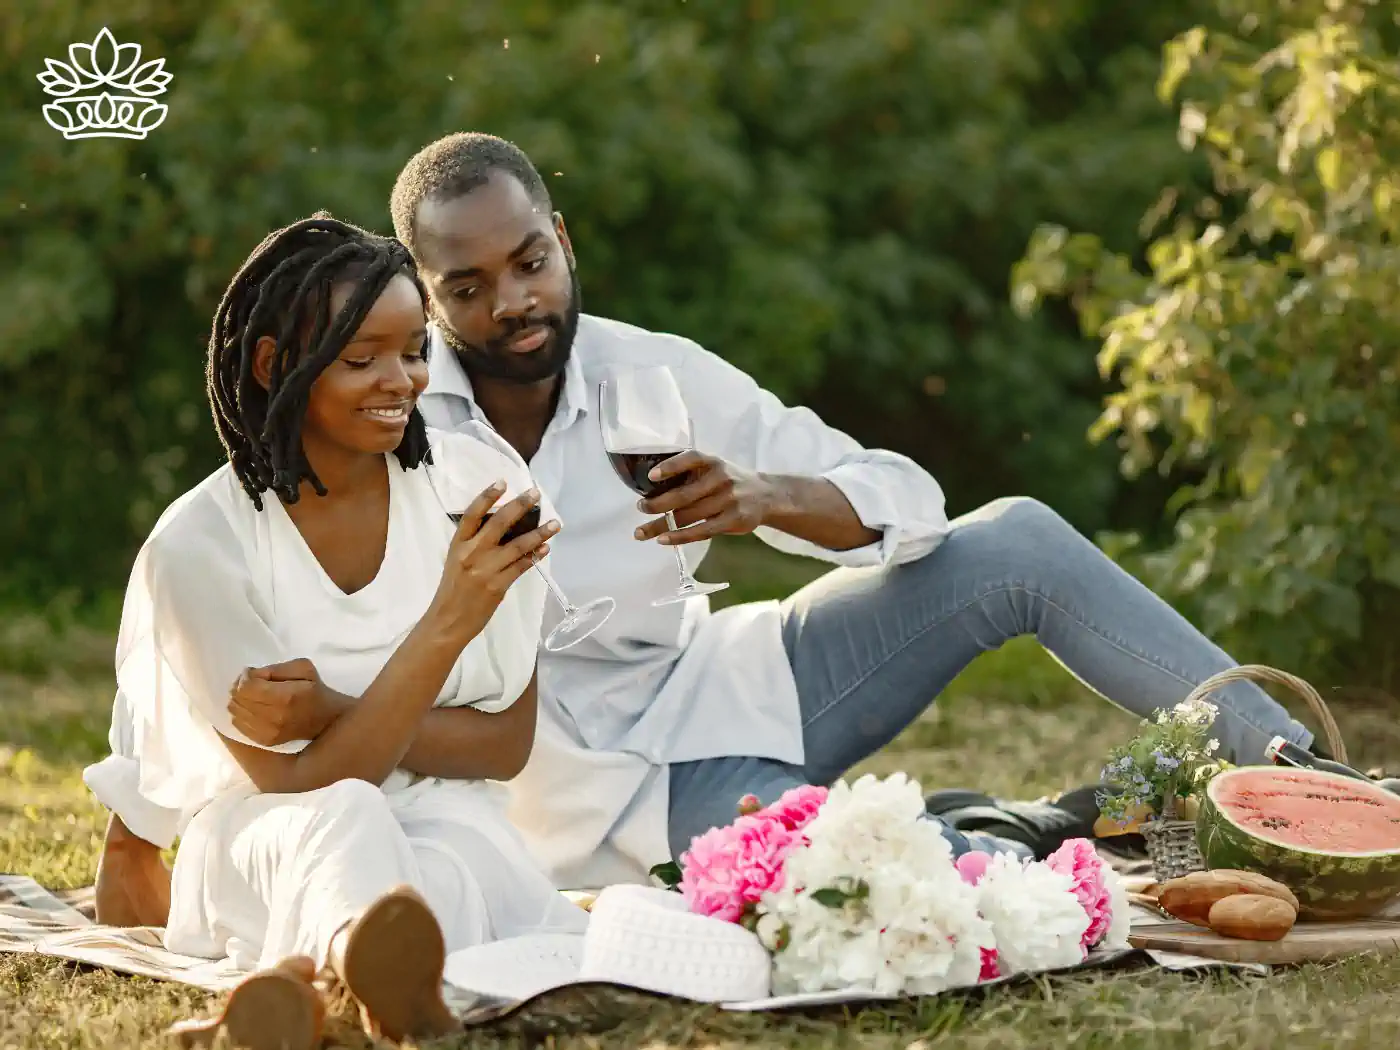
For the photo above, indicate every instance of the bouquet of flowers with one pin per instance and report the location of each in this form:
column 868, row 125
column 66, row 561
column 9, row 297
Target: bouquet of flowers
column 1168, row 761
column 854, row 888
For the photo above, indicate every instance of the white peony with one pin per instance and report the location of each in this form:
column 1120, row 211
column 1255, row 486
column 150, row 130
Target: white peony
column 867, row 818
column 931, row 931
column 1035, row 916
column 821, row 943
column 908, row 924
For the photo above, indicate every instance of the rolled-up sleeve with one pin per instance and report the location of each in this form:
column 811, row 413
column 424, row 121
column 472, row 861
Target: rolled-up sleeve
column 116, row 782
column 736, row 418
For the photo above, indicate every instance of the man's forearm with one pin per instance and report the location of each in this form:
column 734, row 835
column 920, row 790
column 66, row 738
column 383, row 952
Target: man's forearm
column 815, row 510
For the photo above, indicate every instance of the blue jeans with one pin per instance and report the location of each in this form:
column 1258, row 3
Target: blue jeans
column 871, row 648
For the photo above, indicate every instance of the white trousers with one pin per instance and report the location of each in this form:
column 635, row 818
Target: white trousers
column 260, row 877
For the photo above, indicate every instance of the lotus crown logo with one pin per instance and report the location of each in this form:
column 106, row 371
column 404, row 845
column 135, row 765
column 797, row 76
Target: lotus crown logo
column 105, row 90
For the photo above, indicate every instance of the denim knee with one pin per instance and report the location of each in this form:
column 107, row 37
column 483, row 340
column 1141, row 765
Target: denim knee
column 1019, row 538
column 1026, row 520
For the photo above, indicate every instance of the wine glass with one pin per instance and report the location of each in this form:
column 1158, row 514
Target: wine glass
column 579, row 620
column 645, row 422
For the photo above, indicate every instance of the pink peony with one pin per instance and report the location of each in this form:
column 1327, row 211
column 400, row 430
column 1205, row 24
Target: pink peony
column 972, row 866
column 798, row 806
column 1078, row 859
column 726, row 870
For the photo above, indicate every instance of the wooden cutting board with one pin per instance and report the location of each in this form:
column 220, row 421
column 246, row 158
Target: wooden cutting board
column 1306, row 942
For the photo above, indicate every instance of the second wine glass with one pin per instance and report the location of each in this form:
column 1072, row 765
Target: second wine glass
column 579, row 620
column 645, row 422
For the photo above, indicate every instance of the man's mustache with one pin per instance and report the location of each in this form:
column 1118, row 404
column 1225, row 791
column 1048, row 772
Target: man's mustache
column 553, row 323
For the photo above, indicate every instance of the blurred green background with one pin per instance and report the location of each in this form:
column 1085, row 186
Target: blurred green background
column 866, row 205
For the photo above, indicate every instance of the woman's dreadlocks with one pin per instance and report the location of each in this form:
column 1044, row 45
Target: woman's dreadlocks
column 282, row 290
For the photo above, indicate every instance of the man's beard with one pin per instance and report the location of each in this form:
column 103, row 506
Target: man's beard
column 495, row 360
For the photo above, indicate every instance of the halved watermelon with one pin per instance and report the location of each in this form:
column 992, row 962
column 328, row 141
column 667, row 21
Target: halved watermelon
column 1332, row 840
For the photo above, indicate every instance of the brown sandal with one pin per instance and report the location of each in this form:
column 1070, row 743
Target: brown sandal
column 392, row 961
column 276, row 1009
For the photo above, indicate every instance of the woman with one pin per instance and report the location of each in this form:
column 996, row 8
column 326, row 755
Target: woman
column 327, row 672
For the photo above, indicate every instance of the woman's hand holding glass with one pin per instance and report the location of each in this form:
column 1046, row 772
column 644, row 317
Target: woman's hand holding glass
column 577, row 621
column 483, row 560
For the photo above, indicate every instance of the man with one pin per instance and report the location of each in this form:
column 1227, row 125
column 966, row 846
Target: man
column 653, row 728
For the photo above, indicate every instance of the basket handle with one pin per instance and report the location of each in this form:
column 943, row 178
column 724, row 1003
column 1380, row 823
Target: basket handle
column 1258, row 673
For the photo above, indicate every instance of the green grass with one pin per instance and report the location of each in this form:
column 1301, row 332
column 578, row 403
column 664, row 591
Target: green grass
column 1013, row 723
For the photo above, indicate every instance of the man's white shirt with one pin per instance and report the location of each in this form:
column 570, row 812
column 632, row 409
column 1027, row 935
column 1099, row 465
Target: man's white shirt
column 654, row 685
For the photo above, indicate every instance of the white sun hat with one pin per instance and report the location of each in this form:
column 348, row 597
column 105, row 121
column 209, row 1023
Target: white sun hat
column 637, row 937
column 646, row 938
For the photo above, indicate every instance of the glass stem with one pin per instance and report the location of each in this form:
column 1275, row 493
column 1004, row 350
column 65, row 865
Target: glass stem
column 687, row 580
column 553, row 587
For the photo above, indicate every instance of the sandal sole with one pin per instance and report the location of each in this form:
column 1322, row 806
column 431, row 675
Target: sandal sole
column 268, row 1011
column 393, row 965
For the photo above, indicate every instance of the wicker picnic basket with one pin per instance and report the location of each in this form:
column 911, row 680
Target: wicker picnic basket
column 1171, row 844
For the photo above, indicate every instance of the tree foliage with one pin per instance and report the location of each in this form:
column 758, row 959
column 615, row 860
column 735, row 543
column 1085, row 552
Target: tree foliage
column 830, row 195
column 1259, row 346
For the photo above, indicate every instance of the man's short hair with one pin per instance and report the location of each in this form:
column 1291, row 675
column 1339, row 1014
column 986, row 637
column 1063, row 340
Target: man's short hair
column 453, row 166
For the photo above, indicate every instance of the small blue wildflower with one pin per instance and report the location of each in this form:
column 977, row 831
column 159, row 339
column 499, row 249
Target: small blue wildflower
column 1117, row 768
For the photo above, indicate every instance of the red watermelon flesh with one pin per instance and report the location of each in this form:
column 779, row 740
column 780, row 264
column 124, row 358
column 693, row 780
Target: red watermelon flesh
column 1341, row 817
column 1332, row 840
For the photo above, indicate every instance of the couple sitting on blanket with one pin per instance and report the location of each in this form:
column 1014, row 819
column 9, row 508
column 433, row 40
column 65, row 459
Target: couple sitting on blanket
column 334, row 695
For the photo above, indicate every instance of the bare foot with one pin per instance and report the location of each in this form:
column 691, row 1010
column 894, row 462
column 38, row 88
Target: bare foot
column 391, row 959
column 133, row 882
column 276, row 1009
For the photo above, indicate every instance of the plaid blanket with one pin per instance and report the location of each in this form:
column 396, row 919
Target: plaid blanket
column 34, row 920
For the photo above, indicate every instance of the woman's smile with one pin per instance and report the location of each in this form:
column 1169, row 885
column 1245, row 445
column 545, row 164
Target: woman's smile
column 394, row 415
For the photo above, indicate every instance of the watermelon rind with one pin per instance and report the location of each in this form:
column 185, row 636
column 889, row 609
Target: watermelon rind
column 1329, row 886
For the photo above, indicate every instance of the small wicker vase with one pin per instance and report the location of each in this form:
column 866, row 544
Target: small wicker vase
column 1171, row 844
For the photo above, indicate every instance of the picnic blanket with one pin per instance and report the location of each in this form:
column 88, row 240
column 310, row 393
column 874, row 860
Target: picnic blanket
column 482, row 983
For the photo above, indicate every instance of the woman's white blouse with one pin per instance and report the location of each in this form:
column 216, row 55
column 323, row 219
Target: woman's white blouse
column 220, row 586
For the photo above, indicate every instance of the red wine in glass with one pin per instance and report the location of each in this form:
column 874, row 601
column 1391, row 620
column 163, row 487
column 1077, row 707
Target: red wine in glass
column 644, row 422
column 529, row 521
column 578, row 622
column 634, row 464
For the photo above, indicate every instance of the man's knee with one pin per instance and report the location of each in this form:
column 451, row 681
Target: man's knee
column 1024, row 514
column 1017, row 525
